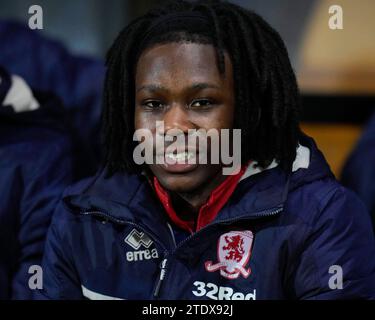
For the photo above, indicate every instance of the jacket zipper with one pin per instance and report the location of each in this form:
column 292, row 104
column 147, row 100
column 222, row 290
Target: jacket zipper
column 258, row 215
column 164, row 263
column 163, row 270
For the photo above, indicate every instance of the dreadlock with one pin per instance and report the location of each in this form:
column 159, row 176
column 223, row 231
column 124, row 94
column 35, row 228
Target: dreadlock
column 266, row 92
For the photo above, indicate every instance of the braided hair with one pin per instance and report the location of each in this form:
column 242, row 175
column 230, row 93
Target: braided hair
column 266, row 91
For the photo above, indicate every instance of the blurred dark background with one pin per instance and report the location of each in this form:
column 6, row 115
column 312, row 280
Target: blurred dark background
column 90, row 26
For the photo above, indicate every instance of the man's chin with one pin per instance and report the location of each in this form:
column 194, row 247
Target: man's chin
column 179, row 183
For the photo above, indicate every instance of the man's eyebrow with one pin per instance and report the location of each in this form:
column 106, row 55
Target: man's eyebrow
column 194, row 86
column 152, row 88
column 203, row 85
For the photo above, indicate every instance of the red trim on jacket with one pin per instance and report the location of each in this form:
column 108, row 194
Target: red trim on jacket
column 208, row 212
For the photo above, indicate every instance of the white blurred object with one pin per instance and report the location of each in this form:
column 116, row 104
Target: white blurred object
column 20, row 96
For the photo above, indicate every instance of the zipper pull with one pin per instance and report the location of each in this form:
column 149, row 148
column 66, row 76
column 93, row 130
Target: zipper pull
column 163, row 268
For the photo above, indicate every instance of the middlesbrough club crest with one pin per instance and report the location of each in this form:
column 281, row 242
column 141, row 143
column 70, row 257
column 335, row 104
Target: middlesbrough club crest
column 233, row 253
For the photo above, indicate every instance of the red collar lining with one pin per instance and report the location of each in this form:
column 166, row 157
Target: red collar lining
column 208, row 212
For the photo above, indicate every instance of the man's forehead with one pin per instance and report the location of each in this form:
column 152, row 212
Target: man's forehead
column 167, row 62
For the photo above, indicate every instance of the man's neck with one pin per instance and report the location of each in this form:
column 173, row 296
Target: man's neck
column 188, row 204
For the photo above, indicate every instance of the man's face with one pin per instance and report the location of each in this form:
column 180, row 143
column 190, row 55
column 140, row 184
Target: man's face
column 180, row 84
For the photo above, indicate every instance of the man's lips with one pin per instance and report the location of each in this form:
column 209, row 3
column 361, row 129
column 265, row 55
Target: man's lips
column 180, row 157
column 163, row 151
column 178, row 161
column 179, row 167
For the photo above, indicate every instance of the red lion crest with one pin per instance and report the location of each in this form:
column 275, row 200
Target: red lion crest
column 233, row 253
column 234, row 247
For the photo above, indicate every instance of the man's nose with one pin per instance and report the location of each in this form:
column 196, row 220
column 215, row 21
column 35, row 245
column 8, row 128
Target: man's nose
column 177, row 118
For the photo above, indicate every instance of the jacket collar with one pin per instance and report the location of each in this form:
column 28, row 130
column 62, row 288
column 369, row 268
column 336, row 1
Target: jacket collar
column 130, row 197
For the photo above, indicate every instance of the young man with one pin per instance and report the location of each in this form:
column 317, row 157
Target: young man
column 279, row 227
column 35, row 167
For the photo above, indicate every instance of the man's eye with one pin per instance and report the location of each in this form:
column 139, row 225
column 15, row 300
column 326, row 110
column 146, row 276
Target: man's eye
column 202, row 103
column 153, row 104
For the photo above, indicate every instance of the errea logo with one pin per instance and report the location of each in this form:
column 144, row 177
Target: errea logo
column 136, row 240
